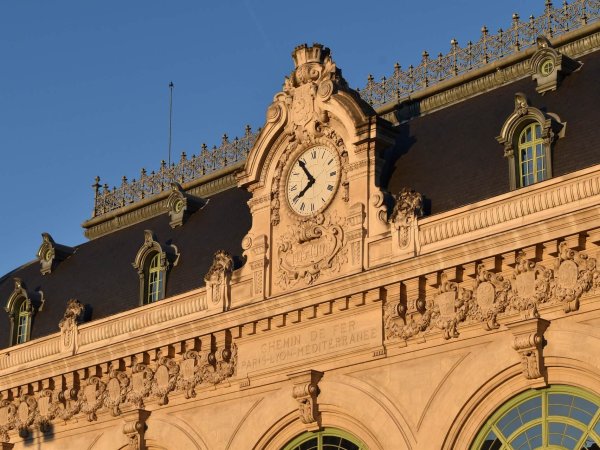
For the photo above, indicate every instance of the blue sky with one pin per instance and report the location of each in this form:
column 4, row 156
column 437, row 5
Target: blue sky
column 84, row 85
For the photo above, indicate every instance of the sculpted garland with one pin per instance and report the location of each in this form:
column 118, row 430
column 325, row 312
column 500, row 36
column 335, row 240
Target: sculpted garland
column 120, row 390
column 530, row 286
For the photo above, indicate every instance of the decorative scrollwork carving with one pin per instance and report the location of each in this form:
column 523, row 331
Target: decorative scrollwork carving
column 315, row 246
column 218, row 279
column 407, row 207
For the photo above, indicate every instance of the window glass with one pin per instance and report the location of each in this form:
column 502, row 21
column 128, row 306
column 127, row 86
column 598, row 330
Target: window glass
column 532, row 155
column 557, row 417
column 156, row 276
column 23, row 323
column 328, row 439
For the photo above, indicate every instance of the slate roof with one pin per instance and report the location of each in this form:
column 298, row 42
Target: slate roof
column 100, row 273
column 451, row 156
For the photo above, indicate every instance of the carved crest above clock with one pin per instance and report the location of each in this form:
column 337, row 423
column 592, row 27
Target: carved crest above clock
column 311, row 172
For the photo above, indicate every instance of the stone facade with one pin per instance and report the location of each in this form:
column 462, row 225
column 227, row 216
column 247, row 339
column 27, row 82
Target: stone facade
column 406, row 331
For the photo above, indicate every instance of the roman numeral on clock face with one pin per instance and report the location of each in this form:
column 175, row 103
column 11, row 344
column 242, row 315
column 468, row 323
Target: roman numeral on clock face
column 312, row 180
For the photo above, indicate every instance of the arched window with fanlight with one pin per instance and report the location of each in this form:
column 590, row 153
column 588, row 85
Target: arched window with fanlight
column 327, row 439
column 153, row 263
column 533, row 166
column 20, row 312
column 555, row 418
column 528, row 135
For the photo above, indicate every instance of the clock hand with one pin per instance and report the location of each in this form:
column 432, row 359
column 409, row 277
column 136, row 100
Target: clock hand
column 303, row 165
column 311, row 181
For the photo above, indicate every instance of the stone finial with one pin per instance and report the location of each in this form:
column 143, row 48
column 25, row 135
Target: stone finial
column 305, row 391
column 303, row 54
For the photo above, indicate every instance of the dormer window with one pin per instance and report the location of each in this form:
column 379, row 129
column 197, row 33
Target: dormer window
column 153, row 263
column 533, row 166
column 527, row 136
column 20, row 311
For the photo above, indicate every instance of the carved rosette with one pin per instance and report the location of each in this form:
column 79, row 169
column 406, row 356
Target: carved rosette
column 314, row 247
column 305, row 391
column 574, row 275
column 69, row 331
column 218, row 281
column 407, row 208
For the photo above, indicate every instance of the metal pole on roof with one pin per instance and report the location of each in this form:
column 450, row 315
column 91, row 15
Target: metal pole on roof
column 171, row 86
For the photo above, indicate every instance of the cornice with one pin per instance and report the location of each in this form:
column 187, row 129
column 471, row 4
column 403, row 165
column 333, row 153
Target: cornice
column 156, row 205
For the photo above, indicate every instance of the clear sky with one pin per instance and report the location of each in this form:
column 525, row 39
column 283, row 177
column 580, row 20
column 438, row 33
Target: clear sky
column 84, row 84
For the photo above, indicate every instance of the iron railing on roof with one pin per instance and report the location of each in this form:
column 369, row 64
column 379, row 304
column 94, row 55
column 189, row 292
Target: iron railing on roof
column 187, row 169
column 519, row 36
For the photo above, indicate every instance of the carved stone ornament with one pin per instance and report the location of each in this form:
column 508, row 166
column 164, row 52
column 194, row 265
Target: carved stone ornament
column 315, row 246
column 180, row 205
column 549, row 66
column 19, row 292
column 574, row 275
column 218, row 281
column 50, row 253
column 119, row 392
column 407, row 207
column 69, row 332
column 531, row 285
column 529, row 342
column 135, row 427
column 305, row 391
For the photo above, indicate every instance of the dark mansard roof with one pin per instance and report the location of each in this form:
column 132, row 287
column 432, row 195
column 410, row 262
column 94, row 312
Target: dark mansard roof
column 451, row 156
column 100, row 273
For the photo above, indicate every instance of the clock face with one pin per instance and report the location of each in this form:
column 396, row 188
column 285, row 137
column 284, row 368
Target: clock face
column 313, row 180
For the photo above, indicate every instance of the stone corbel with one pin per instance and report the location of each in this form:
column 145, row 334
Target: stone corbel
column 529, row 342
column 305, row 391
column 69, row 332
column 403, row 221
column 218, row 282
column 135, row 427
column 181, row 205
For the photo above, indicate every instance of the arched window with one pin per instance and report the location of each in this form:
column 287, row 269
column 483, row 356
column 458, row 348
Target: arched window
column 328, row 439
column 153, row 262
column 155, row 280
column 532, row 155
column 22, row 322
column 20, row 311
column 528, row 135
column 557, row 418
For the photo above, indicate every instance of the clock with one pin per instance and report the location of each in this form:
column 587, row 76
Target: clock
column 313, row 180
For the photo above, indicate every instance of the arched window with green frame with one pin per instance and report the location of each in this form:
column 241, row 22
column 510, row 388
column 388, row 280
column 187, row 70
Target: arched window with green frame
column 556, row 418
column 327, row 439
column 156, row 278
column 533, row 164
column 23, row 323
